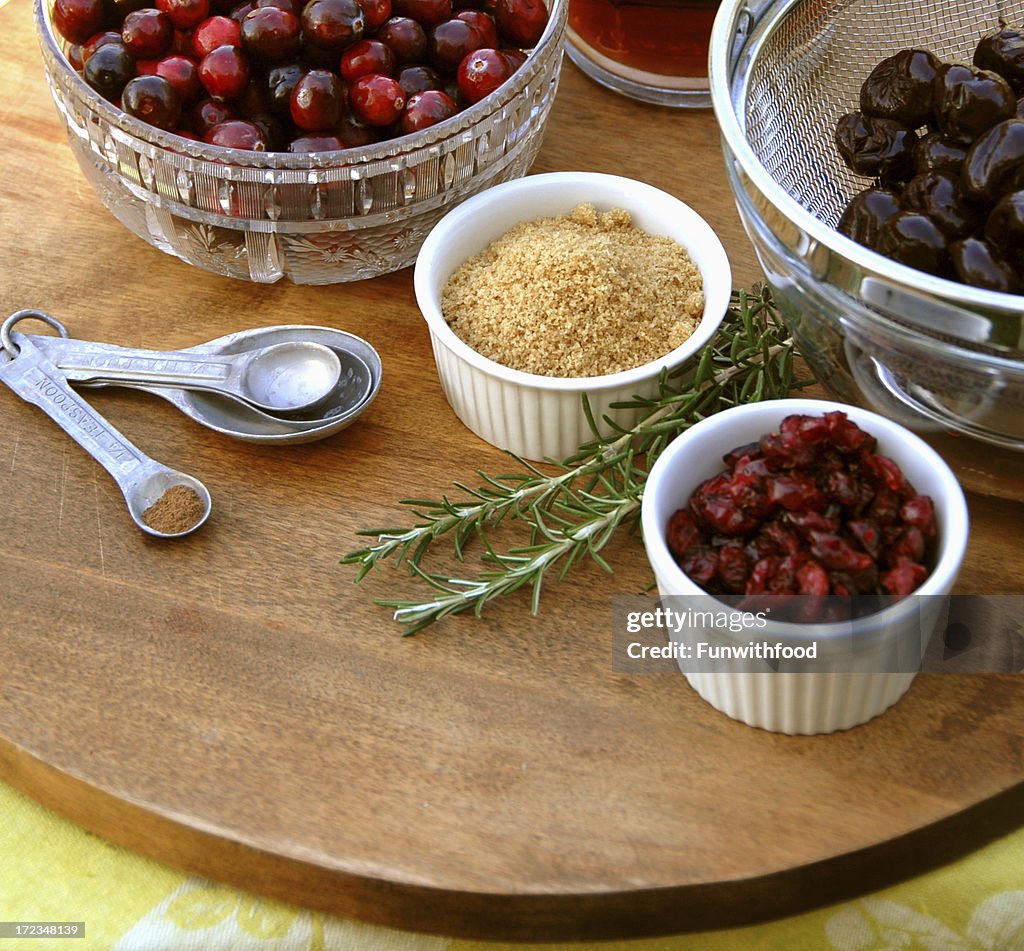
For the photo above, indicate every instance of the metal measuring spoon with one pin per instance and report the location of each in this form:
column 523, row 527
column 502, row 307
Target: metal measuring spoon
column 294, row 376
column 143, row 481
column 358, row 386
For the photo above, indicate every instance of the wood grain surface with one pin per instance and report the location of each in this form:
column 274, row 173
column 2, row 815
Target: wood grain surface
column 232, row 704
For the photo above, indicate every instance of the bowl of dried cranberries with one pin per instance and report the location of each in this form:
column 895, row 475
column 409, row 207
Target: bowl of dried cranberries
column 313, row 140
column 825, row 536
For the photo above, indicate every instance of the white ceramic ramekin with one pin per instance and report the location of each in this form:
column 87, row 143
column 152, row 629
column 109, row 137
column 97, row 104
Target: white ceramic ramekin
column 850, row 681
column 534, row 416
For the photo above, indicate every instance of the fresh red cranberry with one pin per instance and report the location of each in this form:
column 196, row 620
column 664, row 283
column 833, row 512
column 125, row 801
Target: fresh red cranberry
column 414, row 79
column 515, row 58
column 425, row 12
column 333, row 25
column 224, row 72
column 355, row 134
column 154, row 100
column 425, row 109
column 237, row 134
column 182, row 73
column 294, row 7
column 279, row 84
column 275, row 134
column 100, row 39
column 317, row 101
column 365, row 57
column 376, row 12
column 213, row 32
column 521, row 22
column 450, row 43
column 480, row 73
column 316, row 143
column 407, row 39
column 210, row 112
column 77, row 20
column 242, row 10
column 109, row 69
column 185, row 14
column 377, row 100
column 484, row 25
column 147, row 33
column 270, row 34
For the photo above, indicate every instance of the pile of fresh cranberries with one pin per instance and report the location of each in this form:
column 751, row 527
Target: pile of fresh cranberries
column 812, row 509
column 289, row 75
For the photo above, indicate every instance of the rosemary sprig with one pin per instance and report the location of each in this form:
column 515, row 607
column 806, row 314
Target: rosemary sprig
column 570, row 514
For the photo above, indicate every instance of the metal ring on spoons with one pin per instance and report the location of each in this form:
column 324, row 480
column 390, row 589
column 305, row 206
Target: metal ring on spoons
column 143, row 481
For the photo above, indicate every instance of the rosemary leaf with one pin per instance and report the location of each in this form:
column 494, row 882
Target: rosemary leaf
column 570, row 515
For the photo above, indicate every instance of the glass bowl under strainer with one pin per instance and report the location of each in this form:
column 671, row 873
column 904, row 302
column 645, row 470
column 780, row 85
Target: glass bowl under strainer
column 941, row 357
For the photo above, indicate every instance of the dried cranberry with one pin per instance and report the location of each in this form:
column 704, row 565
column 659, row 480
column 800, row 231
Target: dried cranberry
column 733, row 567
column 682, row 532
column 807, row 522
column 867, row 534
column 904, row 578
column 761, row 574
column 837, row 554
column 780, row 540
column 919, row 511
column 701, row 564
column 812, row 579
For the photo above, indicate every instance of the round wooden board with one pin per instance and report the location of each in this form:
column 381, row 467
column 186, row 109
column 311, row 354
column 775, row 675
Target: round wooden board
column 232, row 704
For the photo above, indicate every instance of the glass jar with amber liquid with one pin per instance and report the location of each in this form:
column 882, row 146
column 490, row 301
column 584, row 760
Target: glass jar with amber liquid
column 654, row 50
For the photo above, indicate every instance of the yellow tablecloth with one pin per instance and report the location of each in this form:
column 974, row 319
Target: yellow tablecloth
column 52, row 870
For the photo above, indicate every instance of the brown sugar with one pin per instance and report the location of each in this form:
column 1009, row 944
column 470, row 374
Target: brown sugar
column 177, row 510
column 583, row 294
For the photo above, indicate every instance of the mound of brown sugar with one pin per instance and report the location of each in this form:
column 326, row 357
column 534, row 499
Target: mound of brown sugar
column 583, row 294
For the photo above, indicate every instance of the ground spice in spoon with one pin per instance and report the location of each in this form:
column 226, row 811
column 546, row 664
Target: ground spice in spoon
column 177, row 510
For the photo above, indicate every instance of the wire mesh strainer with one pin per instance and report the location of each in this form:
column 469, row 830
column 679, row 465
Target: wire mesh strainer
column 934, row 352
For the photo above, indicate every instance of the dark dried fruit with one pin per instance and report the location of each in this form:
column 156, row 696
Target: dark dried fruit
column 901, row 87
column 915, row 239
column 969, row 100
column 1002, row 51
column 934, row 153
column 877, row 148
column 867, row 211
column 977, row 263
column 995, row 162
column 938, row 195
column 1004, row 229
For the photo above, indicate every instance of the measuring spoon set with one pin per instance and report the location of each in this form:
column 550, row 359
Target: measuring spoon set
column 282, row 384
